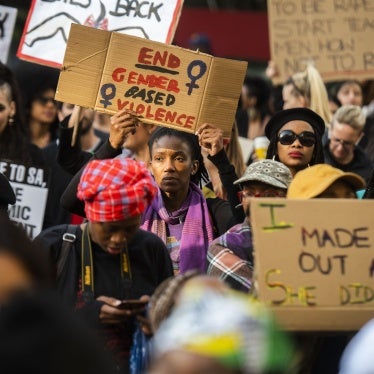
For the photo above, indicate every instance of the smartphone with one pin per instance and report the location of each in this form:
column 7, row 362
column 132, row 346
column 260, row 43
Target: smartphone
column 133, row 304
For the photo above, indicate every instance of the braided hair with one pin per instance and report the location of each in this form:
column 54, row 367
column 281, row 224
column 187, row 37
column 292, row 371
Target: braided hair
column 163, row 299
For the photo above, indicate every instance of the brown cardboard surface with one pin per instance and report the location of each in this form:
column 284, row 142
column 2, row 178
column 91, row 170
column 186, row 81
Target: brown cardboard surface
column 335, row 35
column 323, row 319
column 79, row 76
column 166, row 85
column 314, row 261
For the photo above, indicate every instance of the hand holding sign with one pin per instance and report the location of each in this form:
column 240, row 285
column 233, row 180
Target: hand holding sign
column 123, row 123
column 210, row 138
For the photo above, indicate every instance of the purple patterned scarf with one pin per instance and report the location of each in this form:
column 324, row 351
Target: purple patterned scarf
column 197, row 232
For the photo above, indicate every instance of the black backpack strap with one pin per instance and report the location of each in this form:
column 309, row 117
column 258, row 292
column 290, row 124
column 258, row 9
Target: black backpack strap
column 68, row 239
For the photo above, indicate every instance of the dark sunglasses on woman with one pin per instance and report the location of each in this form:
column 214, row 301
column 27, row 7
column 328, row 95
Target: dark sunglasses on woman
column 44, row 100
column 288, row 137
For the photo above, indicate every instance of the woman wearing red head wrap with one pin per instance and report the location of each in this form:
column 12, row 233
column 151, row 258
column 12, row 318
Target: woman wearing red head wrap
column 111, row 259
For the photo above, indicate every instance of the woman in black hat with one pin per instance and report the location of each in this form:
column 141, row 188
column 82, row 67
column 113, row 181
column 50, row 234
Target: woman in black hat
column 296, row 138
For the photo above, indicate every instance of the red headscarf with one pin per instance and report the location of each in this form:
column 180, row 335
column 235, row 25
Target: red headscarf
column 115, row 189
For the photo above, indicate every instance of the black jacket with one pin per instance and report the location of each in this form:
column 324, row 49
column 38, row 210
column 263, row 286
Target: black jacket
column 360, row 164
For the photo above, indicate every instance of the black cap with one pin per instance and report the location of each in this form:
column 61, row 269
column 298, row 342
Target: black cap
column 7, row 195
column 302, row 114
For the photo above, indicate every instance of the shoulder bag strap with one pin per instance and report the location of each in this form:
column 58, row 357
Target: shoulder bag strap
column 68, row 239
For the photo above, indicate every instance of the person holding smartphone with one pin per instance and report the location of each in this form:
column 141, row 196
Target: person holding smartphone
column 112, row 265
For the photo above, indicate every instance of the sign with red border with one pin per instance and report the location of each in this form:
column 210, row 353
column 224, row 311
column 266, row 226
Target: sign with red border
column 48, row 24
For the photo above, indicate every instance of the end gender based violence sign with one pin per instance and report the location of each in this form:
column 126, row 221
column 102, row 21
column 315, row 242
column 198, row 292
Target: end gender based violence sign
column 165, row 85
column 335, row 35
column 314, row 261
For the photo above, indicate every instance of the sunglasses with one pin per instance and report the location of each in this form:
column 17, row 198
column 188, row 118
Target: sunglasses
column 44, row 100
column 288, row 137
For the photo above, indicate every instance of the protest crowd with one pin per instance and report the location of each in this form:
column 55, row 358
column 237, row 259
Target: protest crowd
column 143, row 251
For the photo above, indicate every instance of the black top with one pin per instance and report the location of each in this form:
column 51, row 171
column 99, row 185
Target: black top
column 63, row 161
column 72, row 158
column 228, row 176
column 149, row 262
column 7, row 195
column 360, row 164
column 69, row 198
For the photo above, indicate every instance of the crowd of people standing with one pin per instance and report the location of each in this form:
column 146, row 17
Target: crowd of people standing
column 137, row 212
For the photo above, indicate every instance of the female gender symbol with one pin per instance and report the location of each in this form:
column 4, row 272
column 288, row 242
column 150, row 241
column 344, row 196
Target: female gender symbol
column 202, row 69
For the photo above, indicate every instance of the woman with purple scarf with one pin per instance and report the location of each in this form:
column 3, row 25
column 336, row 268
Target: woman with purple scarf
column 180, row 215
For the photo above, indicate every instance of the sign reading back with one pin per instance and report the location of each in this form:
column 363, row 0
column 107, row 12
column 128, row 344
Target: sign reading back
column 48, row 23
column 314, row 261
column 165, row 85
column 336, row 35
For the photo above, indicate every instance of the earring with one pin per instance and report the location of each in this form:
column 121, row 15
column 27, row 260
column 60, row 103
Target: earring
column 10, row 121
column 273, row 158
column 308, row 165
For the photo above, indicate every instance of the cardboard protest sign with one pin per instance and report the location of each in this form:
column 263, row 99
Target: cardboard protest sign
column 8, row 18
column 30, row 187
column 314, row 261
column 166, row 85
column 48, row 23
column 335, row 35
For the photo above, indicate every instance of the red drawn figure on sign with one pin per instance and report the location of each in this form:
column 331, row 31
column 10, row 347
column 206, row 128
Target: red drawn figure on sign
column 101, row 22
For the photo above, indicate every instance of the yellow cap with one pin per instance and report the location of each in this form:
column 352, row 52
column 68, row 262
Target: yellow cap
column 314, row 180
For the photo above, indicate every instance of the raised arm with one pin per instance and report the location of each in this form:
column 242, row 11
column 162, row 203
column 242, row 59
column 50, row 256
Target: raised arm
column 123, row 123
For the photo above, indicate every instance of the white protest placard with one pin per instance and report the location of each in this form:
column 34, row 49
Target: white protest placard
column 8, row 18
column 164, row 84
column 48, row 23
column 30, row 187
column 314, row 261
column 335, row 35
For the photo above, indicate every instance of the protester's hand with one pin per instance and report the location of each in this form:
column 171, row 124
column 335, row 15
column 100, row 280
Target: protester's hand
column 253, row 157
column 110, row 313
column 145, row 323
column 210, row 138
column 76, row 116
column 272, row 70
column 122, row 124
